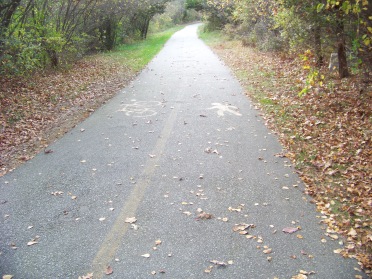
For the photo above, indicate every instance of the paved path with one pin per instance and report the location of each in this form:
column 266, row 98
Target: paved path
column 180, row 139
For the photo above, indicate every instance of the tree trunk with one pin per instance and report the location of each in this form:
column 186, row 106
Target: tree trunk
column 318, row 46
column 5, row 21
column 343, row 70
column 53, row 58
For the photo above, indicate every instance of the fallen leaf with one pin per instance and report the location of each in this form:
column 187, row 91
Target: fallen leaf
column 57, row 193
column 130, row 220
column 299, row 276
column 290, row 230
column 7, row 276
column 32, row 242
column 158, row 242
column 88, row 276
column 218, row 263
column 267, row 251
column 205, row 216
column 209, row 269
column 299, row 236
column 109, row 270
column 333, row 236
column 352, row 233
column 242, row 227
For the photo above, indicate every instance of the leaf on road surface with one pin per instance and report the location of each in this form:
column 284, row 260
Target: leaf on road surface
column 57, row 193
column 238, row 209
column 88, row 276
column 134, row 227
column 209, row 150
column 30, row 243
column 267, row 251
column 218, row 263
column 7, row 276
column 290, row 230
column 209, row 269
column 242, row 227
column 48, row 151
column 109, row 270
column 299, row 276
column 205, row 216
column 131, row 220
column 158, row 242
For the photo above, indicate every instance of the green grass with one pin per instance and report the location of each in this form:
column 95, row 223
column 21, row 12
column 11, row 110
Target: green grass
column 138, row 54
column 210, row 38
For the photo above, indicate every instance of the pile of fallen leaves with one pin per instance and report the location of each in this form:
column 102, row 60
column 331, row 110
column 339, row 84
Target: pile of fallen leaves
column 35, row 111
column 327, row 134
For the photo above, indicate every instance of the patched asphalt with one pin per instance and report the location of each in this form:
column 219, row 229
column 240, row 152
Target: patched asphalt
column 181, row 139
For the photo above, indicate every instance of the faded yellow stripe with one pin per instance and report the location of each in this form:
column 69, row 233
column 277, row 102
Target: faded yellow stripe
column 115, row 236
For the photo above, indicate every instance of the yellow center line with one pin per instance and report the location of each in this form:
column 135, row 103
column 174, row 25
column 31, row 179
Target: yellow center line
column 113, row 240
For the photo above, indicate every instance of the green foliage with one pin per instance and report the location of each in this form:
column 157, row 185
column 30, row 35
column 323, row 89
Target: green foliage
column 197, row 5
column 36, row 34
column 314, row 78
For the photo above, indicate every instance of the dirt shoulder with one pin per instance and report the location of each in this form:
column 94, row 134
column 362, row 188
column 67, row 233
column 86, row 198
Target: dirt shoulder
column 36, row 111
column 327, row 135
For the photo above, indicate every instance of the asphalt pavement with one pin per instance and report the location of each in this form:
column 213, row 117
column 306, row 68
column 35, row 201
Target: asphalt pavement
column 176, row 177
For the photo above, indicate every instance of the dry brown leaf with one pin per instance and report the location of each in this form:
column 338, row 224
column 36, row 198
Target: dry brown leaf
column 88, row 276
column 32, row 242
column 130, row 220
column 205, row 216
column 290, row 230
column 218, row 263
column 109, row 270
